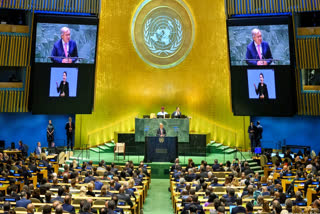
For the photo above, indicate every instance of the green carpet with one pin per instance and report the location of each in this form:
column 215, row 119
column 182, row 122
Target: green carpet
column 158, row 199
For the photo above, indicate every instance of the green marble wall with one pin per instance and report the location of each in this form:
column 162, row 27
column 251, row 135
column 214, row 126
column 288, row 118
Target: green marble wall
column 149, row 127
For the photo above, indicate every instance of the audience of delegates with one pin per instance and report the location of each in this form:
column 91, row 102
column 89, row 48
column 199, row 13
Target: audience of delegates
column 116, row 183
column 246, row 190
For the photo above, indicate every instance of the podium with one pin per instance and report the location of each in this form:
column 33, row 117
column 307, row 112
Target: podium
column 160, row 149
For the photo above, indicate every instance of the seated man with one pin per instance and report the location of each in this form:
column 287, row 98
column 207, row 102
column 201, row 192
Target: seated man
column 193, row 206
column 162, row 113
column 67, row 205
column 124, row 197
column 299, row 199
column 60, row 193
column 23, row 202
column 231, row 197
column 239, row 208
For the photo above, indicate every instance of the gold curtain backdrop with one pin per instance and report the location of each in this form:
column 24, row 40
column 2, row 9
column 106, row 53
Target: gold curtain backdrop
column 126, row 87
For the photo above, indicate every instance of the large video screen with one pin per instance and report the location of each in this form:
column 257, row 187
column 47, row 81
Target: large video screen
column 264, row 44
column 63, row 70
column 262, row 66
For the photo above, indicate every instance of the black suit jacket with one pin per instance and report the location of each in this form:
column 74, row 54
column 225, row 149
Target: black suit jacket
column 163, row 132
column 63, row 88
column 126, row 198
column 176, row 116
column 239, row 209
column 67, row 128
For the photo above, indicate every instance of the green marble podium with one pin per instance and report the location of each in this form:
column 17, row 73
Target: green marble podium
column 174, row 127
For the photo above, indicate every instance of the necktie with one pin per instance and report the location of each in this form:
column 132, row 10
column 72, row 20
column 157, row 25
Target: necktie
column 259, row 51
column 161, row 131
column 65, row 49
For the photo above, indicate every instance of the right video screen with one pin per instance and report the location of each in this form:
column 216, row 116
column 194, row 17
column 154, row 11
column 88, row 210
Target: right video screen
column 262, row 66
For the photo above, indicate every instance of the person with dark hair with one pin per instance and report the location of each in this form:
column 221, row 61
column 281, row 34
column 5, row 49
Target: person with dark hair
column 47, row 197
column 63, row 88
column 6, row 207
column 231, row 198
column 50, row 134
column 60, row 193
column 23, row 202
column 176, row 113
column 262, row 90
column 46, row 209
column 195, row 203
column 249, row 208
column 259, row 134
column 69, row 127
column 252, row 130
column 239, row 208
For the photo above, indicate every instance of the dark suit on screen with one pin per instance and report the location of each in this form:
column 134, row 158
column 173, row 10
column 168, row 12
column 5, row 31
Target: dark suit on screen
column 58, row 50
column 262, row 90
column 63, row 88
column 252, row 53
column 163, row 132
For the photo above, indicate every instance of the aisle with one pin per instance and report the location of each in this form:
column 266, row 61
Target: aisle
column 158, row 199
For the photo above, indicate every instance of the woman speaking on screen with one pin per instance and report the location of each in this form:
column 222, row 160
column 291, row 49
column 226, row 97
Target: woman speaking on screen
column 262, row 90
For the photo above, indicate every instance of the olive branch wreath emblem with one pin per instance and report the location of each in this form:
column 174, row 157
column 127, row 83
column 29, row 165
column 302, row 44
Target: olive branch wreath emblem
column 173, row 47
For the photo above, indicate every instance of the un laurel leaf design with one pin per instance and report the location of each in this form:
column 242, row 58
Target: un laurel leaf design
column 175, row 45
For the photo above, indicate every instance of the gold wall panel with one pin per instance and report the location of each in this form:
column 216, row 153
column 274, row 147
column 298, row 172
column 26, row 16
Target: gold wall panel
column 126, row 87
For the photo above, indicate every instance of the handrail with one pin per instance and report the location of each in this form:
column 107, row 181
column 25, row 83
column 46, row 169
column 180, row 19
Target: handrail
column 237, row 150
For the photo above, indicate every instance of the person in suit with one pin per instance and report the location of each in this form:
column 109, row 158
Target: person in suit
column 23, row 202
column 162, row 113
column 63, row 88
column 161, row 132
column 252, row 129
column 259, row 134
column 6, row 207
column 69, row 128
column 258, row 51
column 50, row 134
column 262, row 90
column 64, row 47
column 231, row 197
column 38, row 149
column 176, row 113
column 67, row 204
column 193, row 207
column 59, row 197
column 249, row 208
column 124, row 197
column 23, row 148
column 239, row 208
column 216, row 165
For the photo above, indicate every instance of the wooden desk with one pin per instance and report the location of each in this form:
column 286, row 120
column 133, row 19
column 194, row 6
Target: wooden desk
column 10, row 152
